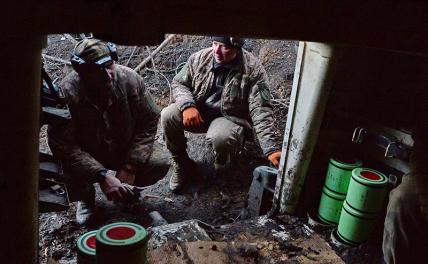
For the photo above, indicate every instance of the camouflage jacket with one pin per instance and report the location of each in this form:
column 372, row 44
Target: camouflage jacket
column 245, row 98
column 123, row 133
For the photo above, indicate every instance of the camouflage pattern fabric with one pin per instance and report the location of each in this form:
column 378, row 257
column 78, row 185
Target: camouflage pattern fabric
column 245, row 98
column 95, row 140
column 91, row 50
column 405, row 227
column 224, row 136
column 406, row 223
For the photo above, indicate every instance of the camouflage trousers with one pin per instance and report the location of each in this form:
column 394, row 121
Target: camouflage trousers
column 224, row 135
column 406, row 230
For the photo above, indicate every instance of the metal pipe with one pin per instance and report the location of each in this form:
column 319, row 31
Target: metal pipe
column 310, row 91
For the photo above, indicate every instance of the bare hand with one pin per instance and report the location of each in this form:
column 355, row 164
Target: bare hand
column 275, row 158
column 127, row 174
column 192, row 118
column 113, row 189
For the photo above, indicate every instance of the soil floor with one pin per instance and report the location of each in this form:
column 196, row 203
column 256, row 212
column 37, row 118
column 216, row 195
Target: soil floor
column 213, row 200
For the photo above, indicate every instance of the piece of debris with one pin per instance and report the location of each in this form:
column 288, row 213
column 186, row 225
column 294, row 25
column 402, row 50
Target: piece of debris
column 157, row 219
column 248, row 250
column 169, row 200
column 291, row 247
column 181, row 232
column 145, row 196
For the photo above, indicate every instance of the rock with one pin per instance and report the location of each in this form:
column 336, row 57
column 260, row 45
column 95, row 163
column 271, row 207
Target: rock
column 248, row 250
column 290, row 247
column 203, row 252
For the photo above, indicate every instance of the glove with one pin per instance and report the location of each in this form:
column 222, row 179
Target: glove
column 192, row 118
column 274, row 158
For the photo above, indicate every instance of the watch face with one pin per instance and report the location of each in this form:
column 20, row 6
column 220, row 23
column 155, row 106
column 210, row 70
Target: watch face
column 111, row 173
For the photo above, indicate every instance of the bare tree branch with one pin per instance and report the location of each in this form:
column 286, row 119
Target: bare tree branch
column 69, row 37
column 130, row 57
column 56, row 59
column 150, row 57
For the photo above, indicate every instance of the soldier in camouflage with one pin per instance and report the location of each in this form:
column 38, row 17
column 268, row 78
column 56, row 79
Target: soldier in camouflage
column 406, row 222
column 223, row 91
column 110, row 138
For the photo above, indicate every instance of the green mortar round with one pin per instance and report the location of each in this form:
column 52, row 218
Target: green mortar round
column 367, row 190
column 330, row 206
column 122, row 242
column 86, row 248
column 339, row 174
column 355, row 226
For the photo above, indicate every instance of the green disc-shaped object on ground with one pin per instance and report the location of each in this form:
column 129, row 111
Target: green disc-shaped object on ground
column 122, row 242
column 86, row 248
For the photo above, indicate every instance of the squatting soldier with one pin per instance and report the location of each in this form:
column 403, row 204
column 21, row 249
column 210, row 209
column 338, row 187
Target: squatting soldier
column 223, row 91
column 110, row 138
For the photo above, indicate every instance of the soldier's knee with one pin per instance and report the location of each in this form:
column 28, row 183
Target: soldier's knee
column 224, row 135
column 221, row 139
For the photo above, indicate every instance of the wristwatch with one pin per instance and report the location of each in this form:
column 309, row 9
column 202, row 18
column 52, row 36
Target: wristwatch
column 102, row 174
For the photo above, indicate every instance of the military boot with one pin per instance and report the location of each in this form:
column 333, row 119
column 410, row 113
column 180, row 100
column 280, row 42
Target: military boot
column 86, row 207
column 222, row 162
column 180, row 166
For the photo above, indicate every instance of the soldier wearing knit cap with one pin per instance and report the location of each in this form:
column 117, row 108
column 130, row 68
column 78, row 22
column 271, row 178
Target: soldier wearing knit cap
column 222, row 91
column 230, row 41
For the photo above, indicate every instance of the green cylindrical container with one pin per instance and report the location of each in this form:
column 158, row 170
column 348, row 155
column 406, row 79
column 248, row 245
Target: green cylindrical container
column 367, row 190
column 330, row 206
column 339, row 174
column 355, row 226
column 122, row 243
column 86, row 247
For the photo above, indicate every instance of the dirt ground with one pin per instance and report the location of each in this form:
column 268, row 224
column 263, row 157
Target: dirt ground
column 215, row 201
column 259, row 240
